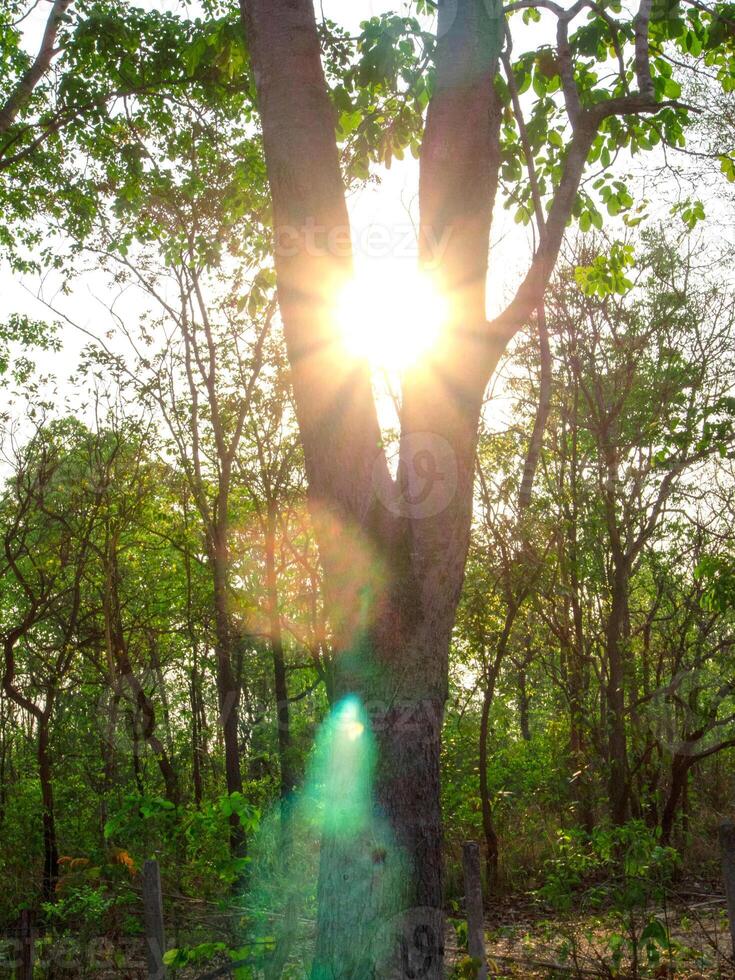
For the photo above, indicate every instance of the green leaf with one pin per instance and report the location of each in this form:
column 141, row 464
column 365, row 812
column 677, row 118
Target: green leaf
column 727, row 165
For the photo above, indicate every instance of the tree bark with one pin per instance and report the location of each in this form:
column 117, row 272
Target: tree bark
column 379, row 895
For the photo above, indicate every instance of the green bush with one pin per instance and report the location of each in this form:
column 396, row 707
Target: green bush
column 614, row 875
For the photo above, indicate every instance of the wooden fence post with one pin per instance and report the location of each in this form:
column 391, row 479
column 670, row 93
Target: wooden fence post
column 473, row 906
column 25, row 943
column 727, row 853
column 155, row 936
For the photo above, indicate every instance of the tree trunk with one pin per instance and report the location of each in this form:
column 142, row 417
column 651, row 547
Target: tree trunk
column 163, row 694
column 279, row 664
column 108, row 753
column 42, row 718
column 685, row 802
column 118, row 651
column 615, row 696
column 198, row 750
column 196, row 743
column 135, row 735
column 492, row 852
column 523, row 705
column 492, row 846
column 380, row 886
column 393, row 552
column 578, row 749
column 228, row 689
column 50, row 847
column 21, row 95
column 680, row 766
column 3, row 758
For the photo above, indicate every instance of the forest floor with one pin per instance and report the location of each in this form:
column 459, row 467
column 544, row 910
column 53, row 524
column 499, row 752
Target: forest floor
column 687, row 938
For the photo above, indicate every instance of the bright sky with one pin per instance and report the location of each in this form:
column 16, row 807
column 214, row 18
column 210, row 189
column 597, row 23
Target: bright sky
column 384, row 217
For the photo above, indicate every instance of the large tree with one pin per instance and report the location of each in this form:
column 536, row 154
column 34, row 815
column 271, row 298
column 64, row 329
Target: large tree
column 393, row 609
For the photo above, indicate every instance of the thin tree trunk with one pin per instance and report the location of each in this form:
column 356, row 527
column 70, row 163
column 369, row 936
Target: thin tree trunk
column 685, row 802
column 3, row 758
column 228, row 689
column 195, row 698
column 135, row 734
column 615, row 696
column 680, row 766
column 279, row 663
column 115, row 637
column 42, row 719
column 492, row 844
column 196, row 746
column 578, row 748
column 523, row 705
column 50, row 846
column 107, row 747
column 163, row 694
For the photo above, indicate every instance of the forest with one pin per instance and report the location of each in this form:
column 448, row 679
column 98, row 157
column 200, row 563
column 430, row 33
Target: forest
column 367, row 489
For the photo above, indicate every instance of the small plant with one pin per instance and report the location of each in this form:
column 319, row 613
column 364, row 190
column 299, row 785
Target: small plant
column 82, row 909
column 624, row 864
column 247, row 956
column 75, row 920
column 624, row 870
column 466, row 969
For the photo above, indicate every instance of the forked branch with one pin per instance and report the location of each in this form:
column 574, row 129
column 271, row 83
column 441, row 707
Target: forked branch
column 585, row 124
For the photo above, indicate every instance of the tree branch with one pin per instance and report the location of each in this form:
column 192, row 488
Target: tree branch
column 21, row 94
column 642, row 62
column 335, row 406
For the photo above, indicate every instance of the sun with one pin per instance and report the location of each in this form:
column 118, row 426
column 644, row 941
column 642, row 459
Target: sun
column 392, row 317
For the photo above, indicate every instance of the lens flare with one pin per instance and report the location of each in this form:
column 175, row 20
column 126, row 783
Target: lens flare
column 333, row 845
column 392, row 318
column 354, row 729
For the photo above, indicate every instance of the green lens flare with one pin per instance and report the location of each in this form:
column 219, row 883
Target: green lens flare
column 330, row 840
column 339, row 784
